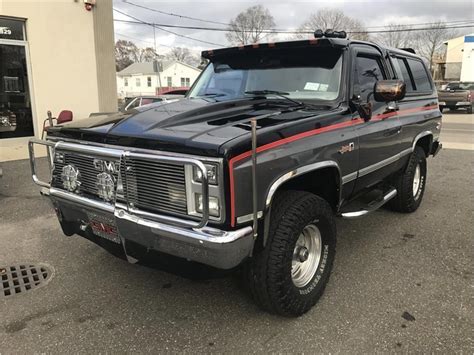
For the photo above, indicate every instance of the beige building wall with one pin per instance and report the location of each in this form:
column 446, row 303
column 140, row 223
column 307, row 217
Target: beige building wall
column 70, row 53
column 454, row 51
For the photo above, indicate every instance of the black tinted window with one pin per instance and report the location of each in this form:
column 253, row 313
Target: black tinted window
column 369, row 71
column 420, row 76
column 402, row 73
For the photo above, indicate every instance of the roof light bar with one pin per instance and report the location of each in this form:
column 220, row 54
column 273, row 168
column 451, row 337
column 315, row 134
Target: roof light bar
column 329, row 34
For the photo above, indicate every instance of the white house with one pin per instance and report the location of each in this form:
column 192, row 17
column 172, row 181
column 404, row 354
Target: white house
column 142, row 79
column 460, row 58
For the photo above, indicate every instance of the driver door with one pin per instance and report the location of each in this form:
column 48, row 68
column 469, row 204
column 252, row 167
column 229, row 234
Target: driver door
column 379, row 137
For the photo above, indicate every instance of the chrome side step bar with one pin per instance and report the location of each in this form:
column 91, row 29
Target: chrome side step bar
column 372, row 206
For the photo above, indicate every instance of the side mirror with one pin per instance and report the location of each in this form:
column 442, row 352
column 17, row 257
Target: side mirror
column 389, row 90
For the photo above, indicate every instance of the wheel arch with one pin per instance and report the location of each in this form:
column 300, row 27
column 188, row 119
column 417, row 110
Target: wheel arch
column 304, row 179
column 424, row 140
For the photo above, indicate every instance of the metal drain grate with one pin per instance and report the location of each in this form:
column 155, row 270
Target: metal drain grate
column 20, row 278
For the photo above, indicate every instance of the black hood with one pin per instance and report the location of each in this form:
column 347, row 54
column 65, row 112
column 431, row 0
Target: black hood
column 188, row 125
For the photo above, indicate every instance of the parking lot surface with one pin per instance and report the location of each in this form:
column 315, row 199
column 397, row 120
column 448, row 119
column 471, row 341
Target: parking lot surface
column 400, row 283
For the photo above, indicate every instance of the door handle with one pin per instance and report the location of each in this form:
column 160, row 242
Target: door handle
column 392, row 132
column 392, row 107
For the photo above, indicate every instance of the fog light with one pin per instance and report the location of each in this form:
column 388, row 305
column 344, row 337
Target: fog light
column 214, row 209
column 105, row 186
column 70, row 178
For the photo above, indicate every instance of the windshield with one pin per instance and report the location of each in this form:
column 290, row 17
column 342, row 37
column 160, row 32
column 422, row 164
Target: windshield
column 308, row 74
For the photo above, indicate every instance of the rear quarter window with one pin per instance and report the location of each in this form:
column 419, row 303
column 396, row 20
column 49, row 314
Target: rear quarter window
column 414, row 74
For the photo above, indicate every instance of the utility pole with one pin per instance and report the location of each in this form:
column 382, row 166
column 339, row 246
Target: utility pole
column 156, row 65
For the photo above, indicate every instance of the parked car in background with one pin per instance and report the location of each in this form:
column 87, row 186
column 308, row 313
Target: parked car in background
column 176, row 92
column 138, row 101
column 457, row 95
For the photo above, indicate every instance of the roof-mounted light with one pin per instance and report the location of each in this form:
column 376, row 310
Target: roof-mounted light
column 329, row 34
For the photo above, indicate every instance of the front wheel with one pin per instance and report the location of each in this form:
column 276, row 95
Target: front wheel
column 410, row 184
column 469, row 110
column 290, row 274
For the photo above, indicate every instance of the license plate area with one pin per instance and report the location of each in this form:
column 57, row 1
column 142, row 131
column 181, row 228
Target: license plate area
column 104, row 226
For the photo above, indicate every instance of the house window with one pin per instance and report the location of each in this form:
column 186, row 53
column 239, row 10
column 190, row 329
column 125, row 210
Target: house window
column 169, row 81
column 137, row 82
column 125, row 81
column 185, row 81
column 148, row 81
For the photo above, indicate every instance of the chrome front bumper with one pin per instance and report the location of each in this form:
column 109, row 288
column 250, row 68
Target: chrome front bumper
column 179, row 237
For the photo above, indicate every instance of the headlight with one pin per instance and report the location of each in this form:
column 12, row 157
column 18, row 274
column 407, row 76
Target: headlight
column 211, row 174
column 193, row 177
column 214, row 209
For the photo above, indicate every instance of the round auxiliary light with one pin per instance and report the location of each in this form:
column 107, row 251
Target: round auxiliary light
column 318, row 33
column 70, row 176
column 105, row 186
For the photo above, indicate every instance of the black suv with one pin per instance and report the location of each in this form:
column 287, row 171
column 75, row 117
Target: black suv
column 270, row 145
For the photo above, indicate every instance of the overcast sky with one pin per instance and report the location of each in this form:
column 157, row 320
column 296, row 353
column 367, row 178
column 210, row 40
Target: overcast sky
column 288, row 15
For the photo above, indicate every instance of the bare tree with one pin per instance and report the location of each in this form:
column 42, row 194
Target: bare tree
column 183, row 55
column 146, row 54
column 336, row 20
column 429, row 43
column 250, row 25
column 127, row 53
column 399, row 36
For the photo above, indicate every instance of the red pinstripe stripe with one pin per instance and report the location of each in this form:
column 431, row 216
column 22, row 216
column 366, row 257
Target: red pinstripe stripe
column 302, row 135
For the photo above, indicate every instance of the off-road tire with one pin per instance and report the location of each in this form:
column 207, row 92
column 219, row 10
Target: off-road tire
column 405, row 201
column 268, row 273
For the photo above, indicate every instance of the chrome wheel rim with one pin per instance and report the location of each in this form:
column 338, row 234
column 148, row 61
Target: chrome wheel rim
column 416, row 180
column 306, row 256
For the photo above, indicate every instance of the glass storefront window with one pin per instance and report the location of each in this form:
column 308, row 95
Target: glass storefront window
column 15, row 104
column 11, row 29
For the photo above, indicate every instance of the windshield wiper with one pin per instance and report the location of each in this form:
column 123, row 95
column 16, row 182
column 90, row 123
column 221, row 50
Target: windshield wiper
column 281, row 94
column 212, row 94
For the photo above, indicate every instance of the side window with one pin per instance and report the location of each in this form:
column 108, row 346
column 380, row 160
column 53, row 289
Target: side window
column 420, row 75
column 146, row 101
column 402, row 73
column 369, row 71
column 134, row 103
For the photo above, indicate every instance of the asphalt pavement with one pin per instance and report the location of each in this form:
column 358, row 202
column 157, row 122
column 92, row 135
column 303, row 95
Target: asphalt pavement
column 458, row 130
column 400, row 283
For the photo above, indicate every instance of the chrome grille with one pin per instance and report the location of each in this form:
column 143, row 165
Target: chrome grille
column 154, row 186
column 88, row 173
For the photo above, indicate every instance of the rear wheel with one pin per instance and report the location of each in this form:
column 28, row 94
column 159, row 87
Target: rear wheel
column 410, row 184
column 469, row 110
column 290, row 274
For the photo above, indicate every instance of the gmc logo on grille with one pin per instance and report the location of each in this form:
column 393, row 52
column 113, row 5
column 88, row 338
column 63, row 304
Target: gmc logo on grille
column 111, row 167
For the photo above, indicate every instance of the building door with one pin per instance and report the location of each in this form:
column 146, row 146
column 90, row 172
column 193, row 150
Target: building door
column 15, row 102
